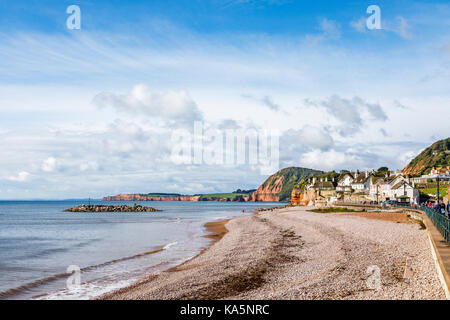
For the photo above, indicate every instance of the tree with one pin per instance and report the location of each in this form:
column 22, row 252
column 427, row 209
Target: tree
column 381, row 172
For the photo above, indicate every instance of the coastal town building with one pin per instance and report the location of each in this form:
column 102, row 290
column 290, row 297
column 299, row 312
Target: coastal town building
column 344, row 182
column 404, row 192
column 361, row 183
column 443, row 173
column 376, row 188
column 360, row 186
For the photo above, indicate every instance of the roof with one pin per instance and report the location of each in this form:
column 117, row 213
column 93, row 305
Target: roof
column 376, row 180
column 361, row 178
column 323, row 185
column 343, row 174
column 390, row 179
column 399, row 184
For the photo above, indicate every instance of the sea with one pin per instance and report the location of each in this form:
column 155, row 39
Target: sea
column 46, row 253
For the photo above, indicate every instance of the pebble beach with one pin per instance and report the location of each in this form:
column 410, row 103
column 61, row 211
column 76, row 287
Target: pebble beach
column 292, row 253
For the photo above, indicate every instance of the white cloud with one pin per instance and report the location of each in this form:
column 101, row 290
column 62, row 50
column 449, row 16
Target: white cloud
column 400, row 105
column 359, row 25
column 403, row 28
column 406, row 157
column 308, row 136
column 329, row 30
column 265, row 100
column 50, row 164
column 170, row 105
column 330, row 160
column 351, row 113
column 90, row 165
column 400, row 27
column 20, row 177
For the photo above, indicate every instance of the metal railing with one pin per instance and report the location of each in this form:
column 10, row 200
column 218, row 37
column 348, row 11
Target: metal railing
column 441, row 222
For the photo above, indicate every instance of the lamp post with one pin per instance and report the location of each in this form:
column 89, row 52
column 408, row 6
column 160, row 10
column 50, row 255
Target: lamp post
column 438, row 192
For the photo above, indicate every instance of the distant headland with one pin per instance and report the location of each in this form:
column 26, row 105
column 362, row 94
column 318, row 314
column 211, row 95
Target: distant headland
column 238, row 195
column 276, row 188
column 103, row 208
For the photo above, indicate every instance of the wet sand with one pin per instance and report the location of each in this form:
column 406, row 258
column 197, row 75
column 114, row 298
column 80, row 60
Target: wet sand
column 291, row 253
column 216, row 229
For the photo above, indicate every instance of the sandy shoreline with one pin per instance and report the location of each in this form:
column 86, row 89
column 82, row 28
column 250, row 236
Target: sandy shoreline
column 291, row 253
column 216, row 229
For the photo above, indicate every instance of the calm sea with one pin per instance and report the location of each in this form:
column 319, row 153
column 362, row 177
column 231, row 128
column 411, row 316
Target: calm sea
column 39, row 242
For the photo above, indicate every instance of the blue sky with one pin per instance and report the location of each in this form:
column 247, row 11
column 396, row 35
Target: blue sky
column 252, row 16
column 341, row 96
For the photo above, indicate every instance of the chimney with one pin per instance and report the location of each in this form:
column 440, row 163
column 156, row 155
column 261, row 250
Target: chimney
column 367, row 174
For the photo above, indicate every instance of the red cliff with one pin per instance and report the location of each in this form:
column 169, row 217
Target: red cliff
column 139, row 197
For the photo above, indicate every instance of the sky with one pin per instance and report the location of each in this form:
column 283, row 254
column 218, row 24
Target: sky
column 93, row 111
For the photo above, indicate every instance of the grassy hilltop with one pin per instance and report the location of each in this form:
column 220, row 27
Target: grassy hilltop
column 437, row 155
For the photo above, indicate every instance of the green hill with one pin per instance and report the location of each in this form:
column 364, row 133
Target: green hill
column 279, row 185
column 437, row 155
column 329, row 176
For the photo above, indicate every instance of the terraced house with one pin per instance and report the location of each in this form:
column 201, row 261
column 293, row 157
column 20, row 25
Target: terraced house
column 360, row 186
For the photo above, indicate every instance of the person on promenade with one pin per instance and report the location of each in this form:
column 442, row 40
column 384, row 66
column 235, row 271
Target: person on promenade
column 437, row 208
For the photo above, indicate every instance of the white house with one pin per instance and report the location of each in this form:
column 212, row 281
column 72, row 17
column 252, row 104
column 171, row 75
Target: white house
column 376, row 188
column 345, row 182
column 404, row 192
column 386, row 187
column 361, row 183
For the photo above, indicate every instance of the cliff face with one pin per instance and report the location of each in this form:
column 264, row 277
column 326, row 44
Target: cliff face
column 438, row 154
column 138, row 197
column 278, row 187
column 300, row 197
column 268, row 192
